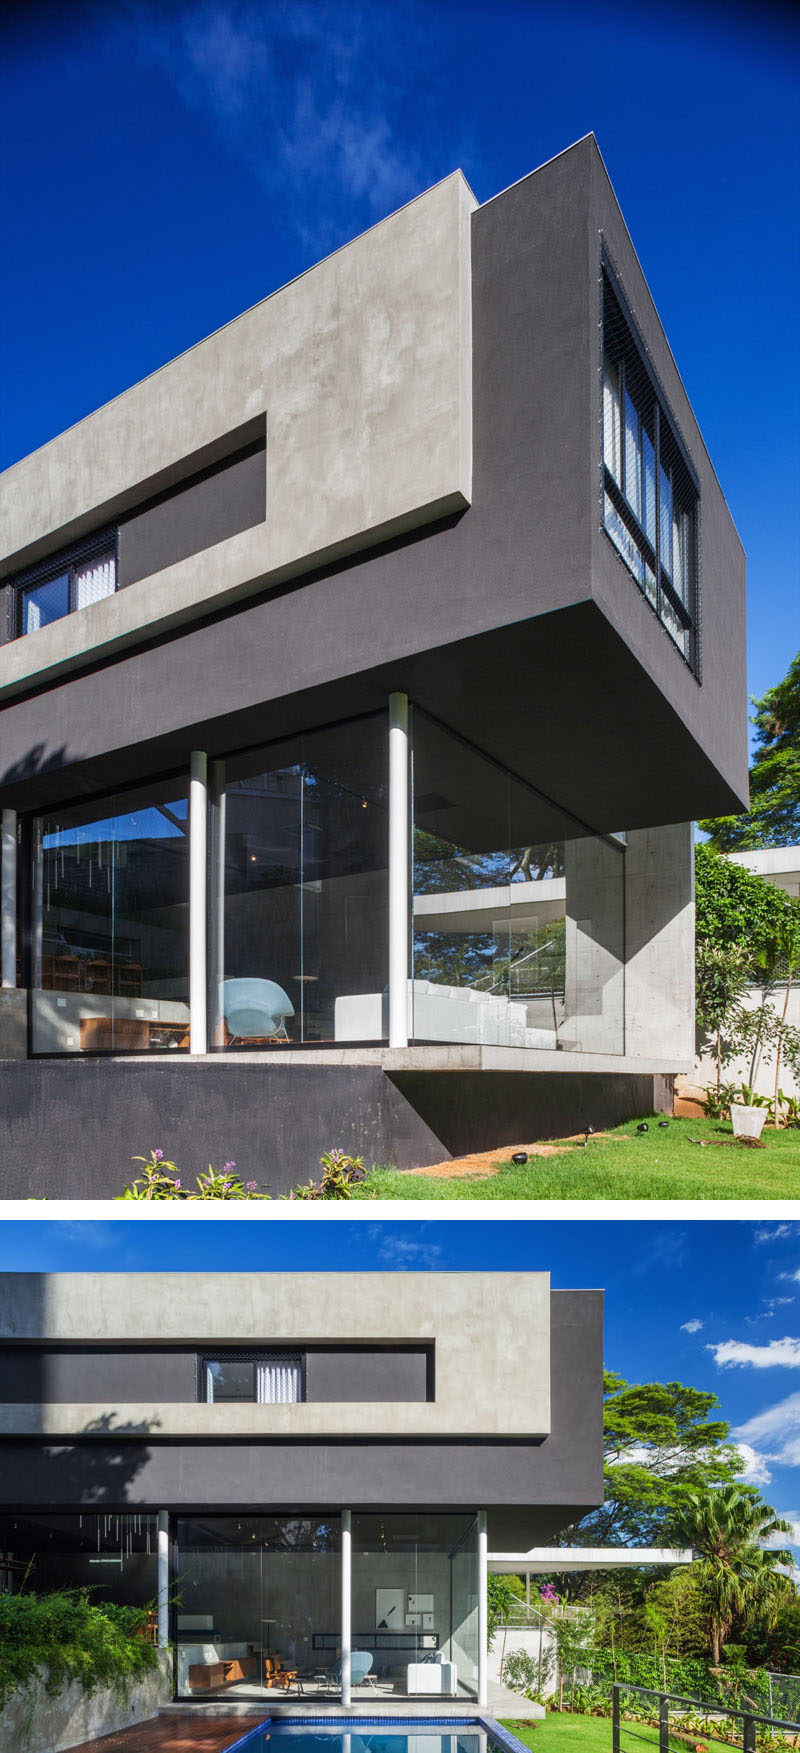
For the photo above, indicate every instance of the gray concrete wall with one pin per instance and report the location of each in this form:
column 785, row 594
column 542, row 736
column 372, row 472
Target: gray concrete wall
column 35, row 1721
column 659, row 942
column 594, row 986
column 71, row 1128
column 192, row 517
column 32, row 1374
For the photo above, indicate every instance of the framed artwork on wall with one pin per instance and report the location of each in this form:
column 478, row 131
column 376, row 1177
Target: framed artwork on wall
column 389, row 1609
column 420, row 1603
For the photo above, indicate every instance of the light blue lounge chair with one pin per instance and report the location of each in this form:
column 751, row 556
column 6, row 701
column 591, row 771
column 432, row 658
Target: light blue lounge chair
column 255, row 1010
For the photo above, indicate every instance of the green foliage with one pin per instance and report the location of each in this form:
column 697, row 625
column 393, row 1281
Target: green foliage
column 72, row 1638
column 660, row 1443
column 502, row 1593
column 735, row 908
column 774, row 815
column 160, row 1179
column 340, row 1174
column 737, row 1572
column 520, row 1673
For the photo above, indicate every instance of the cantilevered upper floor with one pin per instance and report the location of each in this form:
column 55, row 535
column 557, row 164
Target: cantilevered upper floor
column 457, row 460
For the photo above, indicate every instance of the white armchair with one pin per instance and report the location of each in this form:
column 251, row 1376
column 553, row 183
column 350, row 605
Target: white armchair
column 436, row 1677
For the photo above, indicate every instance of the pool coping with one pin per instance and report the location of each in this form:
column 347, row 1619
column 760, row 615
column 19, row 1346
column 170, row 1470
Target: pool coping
column 508, row 1742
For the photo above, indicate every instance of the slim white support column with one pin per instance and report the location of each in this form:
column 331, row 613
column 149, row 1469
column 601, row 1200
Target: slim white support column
column 198, row 885
column 8, row 886
column 163, row 1579
column 216, row 902
column 398, row 870
column 483, row 1612
column 347, row 1596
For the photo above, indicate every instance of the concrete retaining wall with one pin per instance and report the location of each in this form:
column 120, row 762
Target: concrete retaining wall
column 71, row 1128
column 32, row 1722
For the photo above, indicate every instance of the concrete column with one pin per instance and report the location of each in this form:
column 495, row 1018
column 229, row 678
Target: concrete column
column 216, row 902
column 483, row 1612
column 163, row 1579
column 594, row 984
column 8, row 885
column 347, row 1597
column 659, row 946
column 198, row 886
column 398, row 870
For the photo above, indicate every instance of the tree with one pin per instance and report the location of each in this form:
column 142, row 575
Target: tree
column 737, row 1573
column 660, row 1444
column 720, row 982
column 734, row 907
column 774, row 815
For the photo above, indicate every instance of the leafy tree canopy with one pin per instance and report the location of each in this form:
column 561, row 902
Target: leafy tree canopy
column 660, row 1444
column 736, row 908
column 774, row 815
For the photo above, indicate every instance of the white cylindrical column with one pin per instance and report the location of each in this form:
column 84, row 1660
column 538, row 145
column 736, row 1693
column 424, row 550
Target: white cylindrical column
column 398, row 870
column 347, row 1596
column 483, row 1612
column 163, row 1579
column 8, row 887
column 198, row 886
column 216, row 903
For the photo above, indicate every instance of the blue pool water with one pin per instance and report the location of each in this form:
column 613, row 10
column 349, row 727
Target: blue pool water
column 352, row 1736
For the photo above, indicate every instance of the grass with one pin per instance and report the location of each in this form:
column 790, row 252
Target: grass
column 564, row 1733
column 623, row 1164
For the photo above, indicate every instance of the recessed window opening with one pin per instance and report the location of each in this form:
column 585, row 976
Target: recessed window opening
column 270, row 1378
column 73, row 579
column 650, row 497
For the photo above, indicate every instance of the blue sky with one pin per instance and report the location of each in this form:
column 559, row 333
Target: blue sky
column 166, row 163
column 713, row 1304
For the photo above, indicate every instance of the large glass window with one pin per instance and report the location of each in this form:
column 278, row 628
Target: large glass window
column 518, row 913
column 415, row 1602
column 71, row 580
column 299, row 891
column 110, row 924
column 650, row 498
column 259, row 1606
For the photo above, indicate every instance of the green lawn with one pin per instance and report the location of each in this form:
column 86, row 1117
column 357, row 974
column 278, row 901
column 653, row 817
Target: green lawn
column 583, row 1734
column 624, row 1164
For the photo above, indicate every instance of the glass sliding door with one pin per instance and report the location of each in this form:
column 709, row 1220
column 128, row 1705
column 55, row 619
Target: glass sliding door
column 298, row 890
column 415, row 1603
column 110, row 963
column 114, row 1554
column 259, row 1606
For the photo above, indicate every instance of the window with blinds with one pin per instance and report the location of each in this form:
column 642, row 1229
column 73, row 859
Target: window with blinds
column 270, row 1378
column 651, row 497
column 72, row 579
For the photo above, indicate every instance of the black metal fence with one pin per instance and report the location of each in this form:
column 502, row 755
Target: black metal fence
column 624, row 1733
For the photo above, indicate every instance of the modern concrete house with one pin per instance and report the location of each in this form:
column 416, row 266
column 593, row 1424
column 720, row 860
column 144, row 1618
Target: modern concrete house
column 310, row 1473
column 363, row 668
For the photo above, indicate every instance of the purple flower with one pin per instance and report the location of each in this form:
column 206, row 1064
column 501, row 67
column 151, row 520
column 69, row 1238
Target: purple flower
column 176, row 1183
column 157, row 1155
column 227, row 1168
column 251, row 1186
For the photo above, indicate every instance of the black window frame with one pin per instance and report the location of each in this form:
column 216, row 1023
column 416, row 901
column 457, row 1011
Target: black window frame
column 262, row 1354
column 66, row 560
column 630, row 357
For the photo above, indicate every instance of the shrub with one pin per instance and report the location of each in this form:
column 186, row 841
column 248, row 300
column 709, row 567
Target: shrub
column 339, row 1174
column 160, row 1179
column 73, row 1638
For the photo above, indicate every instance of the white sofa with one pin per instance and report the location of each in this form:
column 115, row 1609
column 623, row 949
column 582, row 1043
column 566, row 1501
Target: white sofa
column 442, row 1013
column 432, row 1677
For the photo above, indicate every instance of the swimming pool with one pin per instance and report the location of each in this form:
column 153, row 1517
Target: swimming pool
column 371, row 1735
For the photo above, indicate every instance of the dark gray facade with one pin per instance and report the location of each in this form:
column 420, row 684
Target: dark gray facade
column 63, row 1376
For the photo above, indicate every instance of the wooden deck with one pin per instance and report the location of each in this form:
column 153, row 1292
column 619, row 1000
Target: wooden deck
column 192, row 1733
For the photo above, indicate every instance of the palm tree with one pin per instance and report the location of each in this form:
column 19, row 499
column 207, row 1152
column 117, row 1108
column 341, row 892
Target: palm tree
column 737, row 1572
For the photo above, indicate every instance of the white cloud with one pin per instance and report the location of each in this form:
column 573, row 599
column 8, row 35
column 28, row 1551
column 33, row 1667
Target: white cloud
column 776, row 1541
column 774, row 1433
column 692, row 1326
column 775, row 1233
column 314, row 98
column 406, row 1255
column 778, row 1302
column 755, row 1470
column 783, row 1353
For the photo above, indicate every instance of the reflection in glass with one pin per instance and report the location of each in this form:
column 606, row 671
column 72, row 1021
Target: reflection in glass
column 299, row 856
column 113, row 1554
column 518, row 934
column 45, row 602
column 110, row 925
column 259, row 1605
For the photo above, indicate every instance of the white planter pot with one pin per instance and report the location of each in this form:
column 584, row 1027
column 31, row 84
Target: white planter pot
column 747, row 1122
